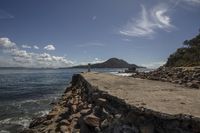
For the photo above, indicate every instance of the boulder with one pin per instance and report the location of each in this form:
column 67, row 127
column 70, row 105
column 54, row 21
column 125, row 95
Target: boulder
column 64, row 122
column 85, row 111
column 101, row 102
column 64, row 129
column 92, row 120
column 193, row 85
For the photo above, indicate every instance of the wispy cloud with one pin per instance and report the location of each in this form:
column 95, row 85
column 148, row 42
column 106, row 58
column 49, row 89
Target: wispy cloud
column 148, row 22
column 26, row 46
column 187, row 4
column 29, row 59
column 94, row 61
column 190, row 2
column 126, row 40
column 97, row 60
column 91, row 44
column 36, row 47
column 5, row 15
column 49, row 47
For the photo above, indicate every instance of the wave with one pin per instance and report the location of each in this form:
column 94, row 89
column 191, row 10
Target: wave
column 121, row 74
column 29, row 101
column 42, row 113
column 23, row 121
column 4, row 131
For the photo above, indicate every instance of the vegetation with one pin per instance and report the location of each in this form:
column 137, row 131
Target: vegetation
column 189, row 55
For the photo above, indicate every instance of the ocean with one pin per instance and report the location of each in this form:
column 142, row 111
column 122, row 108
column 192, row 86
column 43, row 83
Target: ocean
column 27, row 93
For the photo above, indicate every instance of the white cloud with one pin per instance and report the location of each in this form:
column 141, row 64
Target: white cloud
column 154, row 65
column 20, row 53
column 148, row 22
column 18, row 57
column 21, row 60
column 49, row 47
column 26, row 46
column 94, row 61
column 36, row 47
column 97, row 60
column 91, row 44
column 6, row 43
column 53, row 61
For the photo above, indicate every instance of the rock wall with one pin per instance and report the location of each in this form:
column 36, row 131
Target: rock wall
column 83, row 108
column 188, row 76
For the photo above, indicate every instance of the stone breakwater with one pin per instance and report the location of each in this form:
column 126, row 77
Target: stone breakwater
column 85, row 108
column 189, row 77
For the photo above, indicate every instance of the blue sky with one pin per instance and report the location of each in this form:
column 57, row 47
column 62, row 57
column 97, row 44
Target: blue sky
column 60, row 33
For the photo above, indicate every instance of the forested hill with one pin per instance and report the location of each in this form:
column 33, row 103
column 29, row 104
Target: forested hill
column 188, row 55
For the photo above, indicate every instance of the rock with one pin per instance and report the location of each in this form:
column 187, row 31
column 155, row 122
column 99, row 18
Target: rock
column 104, row 124
column 92, row 120
column 85, row 129
column 180, row 75
column 51, row 131
column 85, row 111
column 193, row 85
column 89, row 105
column 62, row 103
column 28, row 131
column 85, row 105
column 74, row 116
column 48, row 122
column 76, row 131
column 64, row 122
column 125, row 129
column 74, row 108
column 95, row 95
column 196, row 82
column 52, row 114
column 101, row 102
column 117, row 116
column 97, row 110
column 147, row 128
column 37, row 121
column 97, row 130
column 186, row 78
column 64, row 129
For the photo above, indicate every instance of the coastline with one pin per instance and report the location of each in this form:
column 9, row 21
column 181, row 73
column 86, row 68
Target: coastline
column 86, row 107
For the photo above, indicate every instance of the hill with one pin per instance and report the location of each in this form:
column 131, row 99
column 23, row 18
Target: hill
column 110, row 63
column 187, row 56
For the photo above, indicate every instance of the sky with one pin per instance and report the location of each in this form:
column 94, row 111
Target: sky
column 62, row 33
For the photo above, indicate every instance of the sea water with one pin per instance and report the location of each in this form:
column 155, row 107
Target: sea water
column 27, row 93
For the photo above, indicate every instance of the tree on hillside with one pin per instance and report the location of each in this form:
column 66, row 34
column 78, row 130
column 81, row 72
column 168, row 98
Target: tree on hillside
column 186, row 56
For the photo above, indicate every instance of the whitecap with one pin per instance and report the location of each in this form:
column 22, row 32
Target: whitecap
column 4, row 131
column 42, row 113
column 29, row 101
column 122, row 74
column 23, row 121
